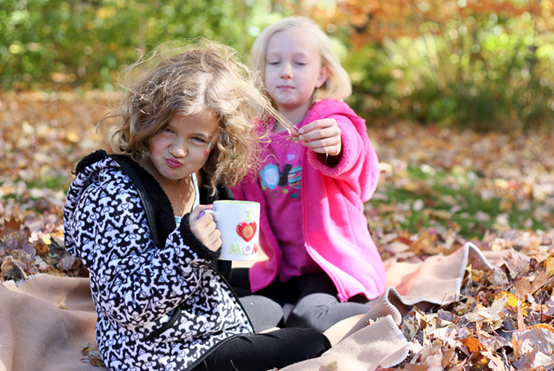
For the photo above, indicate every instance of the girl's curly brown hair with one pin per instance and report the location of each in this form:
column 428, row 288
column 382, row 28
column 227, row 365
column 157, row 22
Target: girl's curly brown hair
column 204, row 76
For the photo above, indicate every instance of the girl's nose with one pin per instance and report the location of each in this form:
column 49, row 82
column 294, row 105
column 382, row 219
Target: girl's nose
column 178, row 149
column 286, row 71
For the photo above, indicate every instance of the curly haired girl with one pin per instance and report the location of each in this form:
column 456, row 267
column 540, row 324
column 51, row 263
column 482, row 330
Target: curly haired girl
column 183, row 130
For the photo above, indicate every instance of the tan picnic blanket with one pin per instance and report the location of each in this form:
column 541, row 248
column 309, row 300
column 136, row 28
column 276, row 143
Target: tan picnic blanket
column 43, row 323
column 45, row 320
column 437, row 280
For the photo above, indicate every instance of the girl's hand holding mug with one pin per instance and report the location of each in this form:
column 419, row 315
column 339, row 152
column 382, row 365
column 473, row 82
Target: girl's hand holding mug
column 203, row 226
column 238, row 222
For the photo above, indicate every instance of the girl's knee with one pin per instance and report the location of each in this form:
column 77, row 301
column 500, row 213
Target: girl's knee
column 312, row 311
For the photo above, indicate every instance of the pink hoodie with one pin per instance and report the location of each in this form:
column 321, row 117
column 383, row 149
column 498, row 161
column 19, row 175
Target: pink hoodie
column 334, row 225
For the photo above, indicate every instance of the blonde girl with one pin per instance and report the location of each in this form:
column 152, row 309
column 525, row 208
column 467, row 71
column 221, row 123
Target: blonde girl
column 322, row 260
column 183, row 131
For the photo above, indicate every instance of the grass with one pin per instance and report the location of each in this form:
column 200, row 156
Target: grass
column 425, row 198
column 58, row 182
column 418, row 198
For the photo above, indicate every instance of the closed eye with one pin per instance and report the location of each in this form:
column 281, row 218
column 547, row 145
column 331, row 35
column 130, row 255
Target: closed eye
column 199, row 140
column 166, row 131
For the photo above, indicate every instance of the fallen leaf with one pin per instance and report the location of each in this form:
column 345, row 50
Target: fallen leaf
column 523, row 288
column 330, row 367
column 10, row 225
column 549, row 264
column 12, row 269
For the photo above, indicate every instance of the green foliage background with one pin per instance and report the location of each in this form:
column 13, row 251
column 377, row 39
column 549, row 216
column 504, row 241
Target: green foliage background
column 484, row 72
column 499, row 76
column 52, row 44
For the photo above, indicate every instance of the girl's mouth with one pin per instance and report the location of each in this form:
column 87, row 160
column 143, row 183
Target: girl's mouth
column 173, row 163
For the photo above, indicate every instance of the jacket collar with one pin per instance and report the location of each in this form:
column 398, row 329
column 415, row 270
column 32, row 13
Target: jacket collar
column 165, row 219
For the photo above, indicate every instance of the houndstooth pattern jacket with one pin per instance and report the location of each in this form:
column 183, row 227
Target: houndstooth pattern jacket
column 158, row 307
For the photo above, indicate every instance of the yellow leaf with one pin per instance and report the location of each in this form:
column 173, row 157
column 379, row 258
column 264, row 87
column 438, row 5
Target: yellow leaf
column 501, row 183
column 512, row 301
column 72, row 137
column 549, row 264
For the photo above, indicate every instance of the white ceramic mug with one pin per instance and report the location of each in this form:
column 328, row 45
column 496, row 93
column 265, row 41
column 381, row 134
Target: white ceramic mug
column 239, row 224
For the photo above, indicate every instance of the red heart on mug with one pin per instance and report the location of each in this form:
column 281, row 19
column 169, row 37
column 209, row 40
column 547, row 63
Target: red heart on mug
column 247, row 230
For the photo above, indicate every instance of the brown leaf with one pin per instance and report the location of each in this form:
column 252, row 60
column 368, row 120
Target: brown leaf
column 424, row 244
column 520, row 322
column 523, row 288
column 539, row 281
column 12, row 269
column 449, row 359
column 42, row 247
column 10, row 226
column 479, row 362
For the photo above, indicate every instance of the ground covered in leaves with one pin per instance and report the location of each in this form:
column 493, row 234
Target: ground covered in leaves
column 439, row 188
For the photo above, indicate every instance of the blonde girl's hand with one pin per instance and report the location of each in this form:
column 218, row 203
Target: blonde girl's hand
column 322, row 136
column 204, row 228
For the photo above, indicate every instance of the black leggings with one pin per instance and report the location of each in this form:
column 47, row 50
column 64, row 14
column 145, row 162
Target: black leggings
column 313, row 296
column 261, row 352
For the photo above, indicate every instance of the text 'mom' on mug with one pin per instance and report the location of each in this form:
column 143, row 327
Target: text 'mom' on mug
column 238, row 222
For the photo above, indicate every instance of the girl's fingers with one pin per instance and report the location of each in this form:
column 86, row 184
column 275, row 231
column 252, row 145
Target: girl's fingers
column 208, row 235
column 204, row 228
column 211, row 237
column 331, row 146
column 331, row 151
column 323, row 143
column 214, row 240
column 318, row 124
column 317, row 139
column 195, row 214
column 321, row 134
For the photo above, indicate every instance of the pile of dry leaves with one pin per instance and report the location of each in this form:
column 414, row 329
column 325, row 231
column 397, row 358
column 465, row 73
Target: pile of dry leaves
column 42, row 138
column 502, row 322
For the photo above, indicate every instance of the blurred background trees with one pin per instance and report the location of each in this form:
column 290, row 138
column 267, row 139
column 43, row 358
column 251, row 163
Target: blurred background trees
column 482, row 64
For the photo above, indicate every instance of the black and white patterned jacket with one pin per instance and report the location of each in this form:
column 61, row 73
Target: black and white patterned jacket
column 158, row 308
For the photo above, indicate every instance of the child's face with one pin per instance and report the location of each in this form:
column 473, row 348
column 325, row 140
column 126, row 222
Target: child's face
column 293, row 68
column 184, row 146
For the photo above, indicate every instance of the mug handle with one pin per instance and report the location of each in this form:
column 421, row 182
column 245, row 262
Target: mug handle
column 208, row 211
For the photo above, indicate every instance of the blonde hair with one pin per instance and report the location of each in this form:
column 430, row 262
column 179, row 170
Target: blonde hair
column 189, row 80
column 338, row 84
